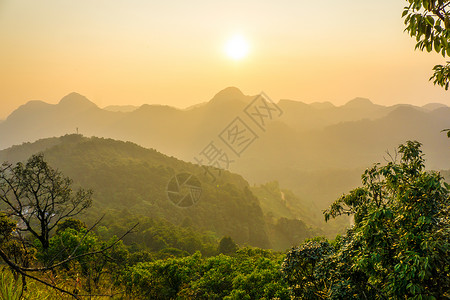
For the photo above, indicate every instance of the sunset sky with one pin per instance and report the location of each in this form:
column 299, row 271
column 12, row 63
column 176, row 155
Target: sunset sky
column 174, row 52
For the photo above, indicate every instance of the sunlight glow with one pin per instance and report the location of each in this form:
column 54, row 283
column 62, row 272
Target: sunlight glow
column 237, row 47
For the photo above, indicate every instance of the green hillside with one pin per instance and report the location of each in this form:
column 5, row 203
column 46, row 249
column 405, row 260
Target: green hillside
column 127, row 176
column 134, row 180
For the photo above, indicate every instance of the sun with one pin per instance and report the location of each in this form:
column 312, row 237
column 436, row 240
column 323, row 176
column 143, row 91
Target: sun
column 237, row 47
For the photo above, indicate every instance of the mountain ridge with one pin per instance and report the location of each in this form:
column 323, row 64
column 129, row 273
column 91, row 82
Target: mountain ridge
column 229, row 94
column 302, row 148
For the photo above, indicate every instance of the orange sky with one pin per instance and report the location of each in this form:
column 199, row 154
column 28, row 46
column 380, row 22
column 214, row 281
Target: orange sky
column 172, row 52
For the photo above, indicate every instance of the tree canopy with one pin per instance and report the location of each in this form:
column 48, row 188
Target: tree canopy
column 398, row 247
column 429, row 22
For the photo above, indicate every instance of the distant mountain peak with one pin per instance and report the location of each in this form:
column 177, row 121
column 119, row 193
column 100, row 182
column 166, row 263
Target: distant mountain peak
column 229, row 93
column 31, row 106
column 408, row 112
column 359, row 102
column 76, row 100
column 433, row 106
column 35, row 103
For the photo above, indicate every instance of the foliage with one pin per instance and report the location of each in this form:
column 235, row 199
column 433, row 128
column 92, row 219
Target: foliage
column 37, row 291
column 75, row 224
column 250, row 274
column 7, row 227
column 399, row 246
column 69, row 243
column 161, row 279
column 155, row 235
column 227, row 246
column 286, row 215
column 91, row 268
column 300, row 267
column 429, row 22
column 9, row 288
column 11, row 244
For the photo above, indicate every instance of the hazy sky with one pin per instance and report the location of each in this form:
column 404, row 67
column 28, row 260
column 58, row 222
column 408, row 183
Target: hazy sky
column 172, row 52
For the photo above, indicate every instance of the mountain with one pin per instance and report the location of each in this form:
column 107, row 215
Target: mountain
column 319, row 165
column 37, row 119
column 318, row 151
column 129, row 179
column 304, row 117
column 75, row 102
column 167, row 128
column 433, row 106
column 127, row 176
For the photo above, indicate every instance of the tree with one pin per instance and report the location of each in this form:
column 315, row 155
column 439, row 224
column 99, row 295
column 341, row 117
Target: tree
column 227, row 246
column 40, row 197
column 37, row 200
column 249, row 274
column 12, row 246
column 399, row 246
column 429, row 22
column 300, row 267
column 7, row 227
column 75, row 224
column 75, row 243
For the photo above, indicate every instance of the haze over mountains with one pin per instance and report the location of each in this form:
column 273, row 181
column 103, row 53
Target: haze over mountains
column 318, row 150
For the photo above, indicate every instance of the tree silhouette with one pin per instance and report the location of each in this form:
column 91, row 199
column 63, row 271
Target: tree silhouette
column 40, row 197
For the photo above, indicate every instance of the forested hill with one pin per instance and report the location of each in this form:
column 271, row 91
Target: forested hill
column 127, row 177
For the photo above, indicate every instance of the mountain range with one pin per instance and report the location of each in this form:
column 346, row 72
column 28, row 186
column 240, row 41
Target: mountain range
column 316, row 150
